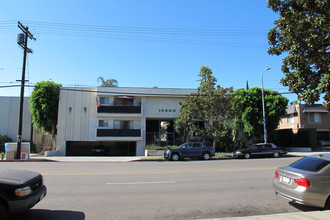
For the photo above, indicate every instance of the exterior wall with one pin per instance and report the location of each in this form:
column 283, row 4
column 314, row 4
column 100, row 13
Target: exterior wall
column 76, row 117
column 305, row 120
column 285, row 123
column 302, row 120
column 9, row 114
column 79, row 116
column 163, row 107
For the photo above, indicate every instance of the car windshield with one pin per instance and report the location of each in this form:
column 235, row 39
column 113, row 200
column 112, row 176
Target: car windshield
column 180, row 146
column 311, row 164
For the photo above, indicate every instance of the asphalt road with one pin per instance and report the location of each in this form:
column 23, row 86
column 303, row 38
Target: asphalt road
column 189, row 189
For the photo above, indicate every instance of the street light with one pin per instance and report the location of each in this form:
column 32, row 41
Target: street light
column 263, row 104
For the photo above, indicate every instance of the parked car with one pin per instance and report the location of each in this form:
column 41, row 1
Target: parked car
column 306, row 181
column 98, row 151
column 190, row 150
column 20, row 190
column 260, row 150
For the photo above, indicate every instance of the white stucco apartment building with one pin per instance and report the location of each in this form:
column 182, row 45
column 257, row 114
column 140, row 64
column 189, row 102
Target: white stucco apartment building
column 116, row 121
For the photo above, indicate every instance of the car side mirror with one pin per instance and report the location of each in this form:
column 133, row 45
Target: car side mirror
column 184, row 147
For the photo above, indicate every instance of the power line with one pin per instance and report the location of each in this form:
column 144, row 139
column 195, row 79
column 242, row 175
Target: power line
column 149, row 34
column 91, row 90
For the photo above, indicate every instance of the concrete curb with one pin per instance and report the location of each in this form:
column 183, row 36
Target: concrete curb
column 319, row 215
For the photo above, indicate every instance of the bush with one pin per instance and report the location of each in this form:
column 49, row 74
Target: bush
column 3, row 140
column 157, row 147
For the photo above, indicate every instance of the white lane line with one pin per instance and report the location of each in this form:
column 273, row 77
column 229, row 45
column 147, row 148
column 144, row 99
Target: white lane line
column 141, row 183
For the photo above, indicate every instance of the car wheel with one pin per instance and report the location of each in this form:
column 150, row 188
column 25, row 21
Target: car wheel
column 276, row 154
column 3, row 212
column 206, row 156
column 247, row 155
column 175, row 157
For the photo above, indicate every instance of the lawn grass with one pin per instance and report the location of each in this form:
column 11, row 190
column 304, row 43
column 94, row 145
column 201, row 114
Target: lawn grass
column 216, row 156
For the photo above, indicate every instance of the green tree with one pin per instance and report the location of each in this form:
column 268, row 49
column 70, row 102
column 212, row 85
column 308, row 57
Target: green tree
column 3, row 140
column 44, row 105
column 248, row 109
column 211, row 104
column 108, row 82
column 302, row 34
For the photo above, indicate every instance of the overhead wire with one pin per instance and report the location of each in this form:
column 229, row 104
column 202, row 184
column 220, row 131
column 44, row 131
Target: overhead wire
column 150, row 34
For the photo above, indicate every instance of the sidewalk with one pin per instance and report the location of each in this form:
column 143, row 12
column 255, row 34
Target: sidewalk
column 317, row 215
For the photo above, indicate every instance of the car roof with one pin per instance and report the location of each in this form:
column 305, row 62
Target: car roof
column 325, row 156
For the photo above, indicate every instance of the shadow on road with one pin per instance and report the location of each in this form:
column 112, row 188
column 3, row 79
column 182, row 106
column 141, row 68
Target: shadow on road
column 49, row 214
column 304, row 208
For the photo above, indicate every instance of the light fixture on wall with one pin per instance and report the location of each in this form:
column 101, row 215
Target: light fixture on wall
column 85, row 109
column 70, row 109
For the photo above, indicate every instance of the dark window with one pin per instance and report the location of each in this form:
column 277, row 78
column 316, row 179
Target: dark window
column 310, row 164
column 196, row 144
column 268, row 146
column 123, row 101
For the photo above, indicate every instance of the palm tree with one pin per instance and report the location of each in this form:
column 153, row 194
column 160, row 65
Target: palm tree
column 108, row 82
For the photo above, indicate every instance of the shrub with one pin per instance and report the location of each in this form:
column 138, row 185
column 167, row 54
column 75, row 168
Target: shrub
column 3, row 140
column 157, row 147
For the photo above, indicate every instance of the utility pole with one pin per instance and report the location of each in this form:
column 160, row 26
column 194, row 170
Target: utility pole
column 22, row 40
column 263, row 104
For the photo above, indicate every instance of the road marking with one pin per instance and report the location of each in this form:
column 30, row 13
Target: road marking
column 157, row 172
column 141, row 183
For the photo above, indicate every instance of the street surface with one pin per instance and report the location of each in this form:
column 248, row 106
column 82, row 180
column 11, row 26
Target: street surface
column 189, row 189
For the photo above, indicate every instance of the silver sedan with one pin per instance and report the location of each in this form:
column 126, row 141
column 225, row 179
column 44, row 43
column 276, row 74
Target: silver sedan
column 306, row 181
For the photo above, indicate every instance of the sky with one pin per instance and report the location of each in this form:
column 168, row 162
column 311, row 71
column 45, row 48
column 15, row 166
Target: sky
column 140, row 43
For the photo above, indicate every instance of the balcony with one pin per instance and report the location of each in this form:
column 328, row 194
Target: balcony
column 119, row 109
column 118, row 133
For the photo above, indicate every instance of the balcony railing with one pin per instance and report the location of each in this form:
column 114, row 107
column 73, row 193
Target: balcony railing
column 119, row 109
column 118, row 133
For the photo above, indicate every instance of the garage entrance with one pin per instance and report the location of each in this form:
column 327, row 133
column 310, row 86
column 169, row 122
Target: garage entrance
column 100, row 148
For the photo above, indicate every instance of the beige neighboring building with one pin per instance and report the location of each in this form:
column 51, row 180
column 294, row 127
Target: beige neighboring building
column 300, row 116
column 116, row 121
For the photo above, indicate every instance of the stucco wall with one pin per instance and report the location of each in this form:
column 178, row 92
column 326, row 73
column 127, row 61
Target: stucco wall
column 9, row 114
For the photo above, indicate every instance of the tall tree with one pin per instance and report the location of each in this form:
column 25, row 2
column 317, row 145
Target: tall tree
column 211, row 104
column 44, row 105
column 302, row 34
column 248, row 109
column 108, row 82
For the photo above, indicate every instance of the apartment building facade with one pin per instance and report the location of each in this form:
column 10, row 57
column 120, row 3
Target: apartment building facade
column 303, row 116
column 116, row 121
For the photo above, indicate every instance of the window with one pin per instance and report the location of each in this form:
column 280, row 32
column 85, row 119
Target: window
column 310, row 164
column 314, row 117
column 196, row 144
column 290, row 119
column 268, row 146
column 104, row 101
column 103, row 123
column 123, row 124
column 123, row 101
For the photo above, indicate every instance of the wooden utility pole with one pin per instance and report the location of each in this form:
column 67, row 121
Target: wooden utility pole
column 22, row 40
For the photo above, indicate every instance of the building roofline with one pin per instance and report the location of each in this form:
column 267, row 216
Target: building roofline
column 134, row 91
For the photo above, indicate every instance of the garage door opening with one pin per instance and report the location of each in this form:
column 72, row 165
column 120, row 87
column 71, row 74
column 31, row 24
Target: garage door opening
column 99, row 148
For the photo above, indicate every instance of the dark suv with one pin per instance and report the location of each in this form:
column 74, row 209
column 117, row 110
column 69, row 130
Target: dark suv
column 190, row 150
column 20, row 190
